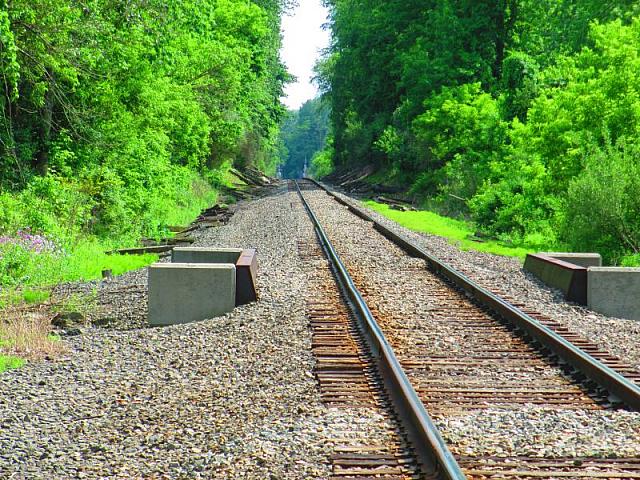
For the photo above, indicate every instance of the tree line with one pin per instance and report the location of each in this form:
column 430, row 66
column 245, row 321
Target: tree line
column 116, row 112
column 521, row 115
column 303, row 133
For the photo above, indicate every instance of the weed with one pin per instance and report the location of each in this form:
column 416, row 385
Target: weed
column 630, row 260
column 26, row 334
column 77, row 303
column 35, row 296
column 89, row 259
column 9, row 297
column 8, row 362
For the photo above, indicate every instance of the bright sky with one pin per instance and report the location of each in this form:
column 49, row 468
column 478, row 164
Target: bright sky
column 303, row 40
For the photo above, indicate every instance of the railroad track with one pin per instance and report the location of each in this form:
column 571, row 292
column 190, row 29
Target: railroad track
column 348, row 380
column 510, row 360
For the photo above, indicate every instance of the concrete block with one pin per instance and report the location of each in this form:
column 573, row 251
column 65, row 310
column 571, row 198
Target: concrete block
column 585, row 260
column 614, row 291
column 188, row 292
column 205, row 255
column 245, row 261
column 569, row 278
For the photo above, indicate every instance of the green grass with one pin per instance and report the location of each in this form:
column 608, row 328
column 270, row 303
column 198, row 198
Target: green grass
column 457, row 231
column 183, row 215
column 84, row 262
column 88, row 260
column 35, row 296
column 8, row 362
column 25, row 274
column 78, row 303
column 11, row 296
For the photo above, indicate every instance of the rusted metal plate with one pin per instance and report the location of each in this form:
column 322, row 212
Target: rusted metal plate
column 246, row 277
column 568, row 277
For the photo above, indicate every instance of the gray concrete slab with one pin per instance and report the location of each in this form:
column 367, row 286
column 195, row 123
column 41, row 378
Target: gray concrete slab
column 571, row 279
column 581, row 259
column 205, row 255
column 188, row 292
column 614, row 291
column 245, row 261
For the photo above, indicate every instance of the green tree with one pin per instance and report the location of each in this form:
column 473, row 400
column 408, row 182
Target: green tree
column 461, row 133
column 130, row 104
column 303, row 133
column 603, row 203
column 585, row 102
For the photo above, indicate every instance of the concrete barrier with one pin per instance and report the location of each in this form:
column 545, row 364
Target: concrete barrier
column 581, row 259
column 205, row 255
column 188, row 292
column 569, row 278
column 245, row 261
column 614, row 291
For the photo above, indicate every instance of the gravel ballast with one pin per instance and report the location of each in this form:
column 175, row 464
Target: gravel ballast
column 235, row 396
column 615, row 335
column 393, row 286
column 229, row 397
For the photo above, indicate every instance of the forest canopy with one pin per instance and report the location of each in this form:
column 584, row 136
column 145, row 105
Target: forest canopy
column 117, row 112
column 521, row 115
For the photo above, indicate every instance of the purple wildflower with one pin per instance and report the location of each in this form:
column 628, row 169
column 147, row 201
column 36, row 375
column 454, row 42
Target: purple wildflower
column 35, row 243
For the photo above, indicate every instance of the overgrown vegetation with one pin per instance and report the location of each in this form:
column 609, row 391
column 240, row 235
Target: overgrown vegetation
column 25, row 327
column 8, row 362
column 119, row 119
column 322, row 161
column 27, row 260
column 526, row 110
column 25, row 334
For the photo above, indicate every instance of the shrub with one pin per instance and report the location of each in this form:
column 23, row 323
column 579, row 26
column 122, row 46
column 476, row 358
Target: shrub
column 460, row 134
column 322, row 162
column 603, row 203
column 27, row 335
column 25, row 257
column 585, row 101
column 520, row 84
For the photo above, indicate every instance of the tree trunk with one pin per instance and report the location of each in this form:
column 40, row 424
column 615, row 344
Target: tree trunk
column 500, row 38
column 41, row 160
column 506, row 16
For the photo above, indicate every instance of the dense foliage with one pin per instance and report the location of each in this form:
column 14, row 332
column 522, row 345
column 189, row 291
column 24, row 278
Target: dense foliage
column 303, row 134
column 118, row 116
column 517, row 113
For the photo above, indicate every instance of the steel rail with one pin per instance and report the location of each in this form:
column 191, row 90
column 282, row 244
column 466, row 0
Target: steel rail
column 621, row 389
column 431, row 450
